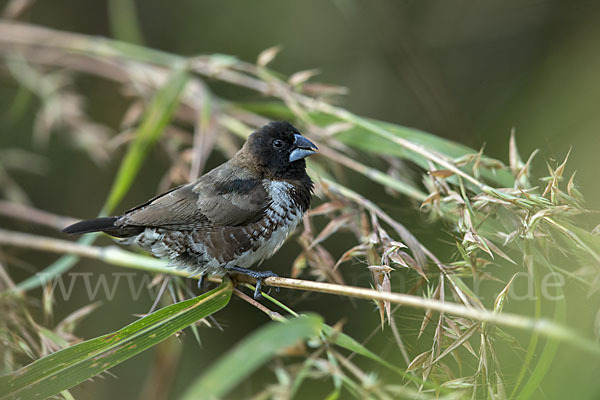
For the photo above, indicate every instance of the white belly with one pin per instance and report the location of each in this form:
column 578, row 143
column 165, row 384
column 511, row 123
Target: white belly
column 282, row 211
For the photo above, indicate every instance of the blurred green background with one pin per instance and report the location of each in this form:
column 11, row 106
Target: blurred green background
column 469, row 71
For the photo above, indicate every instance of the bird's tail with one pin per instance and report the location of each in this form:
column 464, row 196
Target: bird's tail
column 105, row 224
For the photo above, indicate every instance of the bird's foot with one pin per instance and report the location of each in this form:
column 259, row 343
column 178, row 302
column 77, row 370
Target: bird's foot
column 258, row 275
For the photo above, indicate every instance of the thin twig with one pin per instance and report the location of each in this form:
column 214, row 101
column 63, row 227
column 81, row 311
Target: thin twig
column 30, row 214
column 373, row 173
column 114, row 255
column 274, row 315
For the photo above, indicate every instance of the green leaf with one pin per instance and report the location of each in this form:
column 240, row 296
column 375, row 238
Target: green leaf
column 349, row 343
column 58, row 267
column 124, row 22
column 156, row 118
column 545, row 361
column 535, row 335
column 549, row 351
column 68, row 367
column 343, row 340
column 250, row 354
column 366, row 140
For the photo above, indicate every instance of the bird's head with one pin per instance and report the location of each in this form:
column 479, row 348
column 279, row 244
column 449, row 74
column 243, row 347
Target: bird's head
column 278, row 150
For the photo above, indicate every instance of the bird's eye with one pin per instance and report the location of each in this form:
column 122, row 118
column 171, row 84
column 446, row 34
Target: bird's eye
column 277, row 143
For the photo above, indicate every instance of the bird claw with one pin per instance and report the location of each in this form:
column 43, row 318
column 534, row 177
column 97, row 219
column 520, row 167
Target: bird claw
column 258, row 290
column 258, row 275
column 277, row 290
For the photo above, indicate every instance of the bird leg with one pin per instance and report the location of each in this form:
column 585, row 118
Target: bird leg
column 201, row 280
column 258, row 275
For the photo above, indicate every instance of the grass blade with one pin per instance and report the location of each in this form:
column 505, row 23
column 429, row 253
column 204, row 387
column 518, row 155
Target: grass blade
column 535, row 336
column 66, row 368
column 155, row 120
column 347, row 342
column 549, row 351
column 250, row 354
column 58, row 267
column 124, row 22
column 365, row 140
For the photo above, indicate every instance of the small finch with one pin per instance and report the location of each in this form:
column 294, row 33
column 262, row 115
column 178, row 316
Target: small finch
column 232, row 217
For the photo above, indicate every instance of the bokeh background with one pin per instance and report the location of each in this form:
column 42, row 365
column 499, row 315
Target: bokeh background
column 469, row 71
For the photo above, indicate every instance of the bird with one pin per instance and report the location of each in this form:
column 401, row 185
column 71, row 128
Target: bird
column 231, row 218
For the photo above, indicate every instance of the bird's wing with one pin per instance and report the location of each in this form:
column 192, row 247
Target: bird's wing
column 205, row 204
column 233, row 202
column 175, row 209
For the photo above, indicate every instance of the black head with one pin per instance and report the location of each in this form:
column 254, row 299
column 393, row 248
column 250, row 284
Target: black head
column 278, row 149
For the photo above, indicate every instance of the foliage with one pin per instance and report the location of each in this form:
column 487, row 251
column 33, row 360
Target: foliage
column 497, row 219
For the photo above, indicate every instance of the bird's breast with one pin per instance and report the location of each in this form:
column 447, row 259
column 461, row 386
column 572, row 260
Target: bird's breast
column 281, row 218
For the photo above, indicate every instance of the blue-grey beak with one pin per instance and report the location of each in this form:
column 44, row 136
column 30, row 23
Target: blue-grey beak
column 302, row 148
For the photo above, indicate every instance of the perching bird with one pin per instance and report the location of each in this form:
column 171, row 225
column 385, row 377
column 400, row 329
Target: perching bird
column 231, row 218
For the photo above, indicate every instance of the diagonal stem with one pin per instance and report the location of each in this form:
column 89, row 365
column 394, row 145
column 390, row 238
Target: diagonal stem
column 116, row 256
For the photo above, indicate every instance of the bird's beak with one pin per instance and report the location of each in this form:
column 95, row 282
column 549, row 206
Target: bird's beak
column 302, row 148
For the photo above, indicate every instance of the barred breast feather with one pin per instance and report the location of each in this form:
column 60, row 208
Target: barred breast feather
column 210, row 250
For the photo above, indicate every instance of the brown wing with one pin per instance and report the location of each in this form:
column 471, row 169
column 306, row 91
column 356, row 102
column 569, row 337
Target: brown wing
column 219, row 198
column 175, row 209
